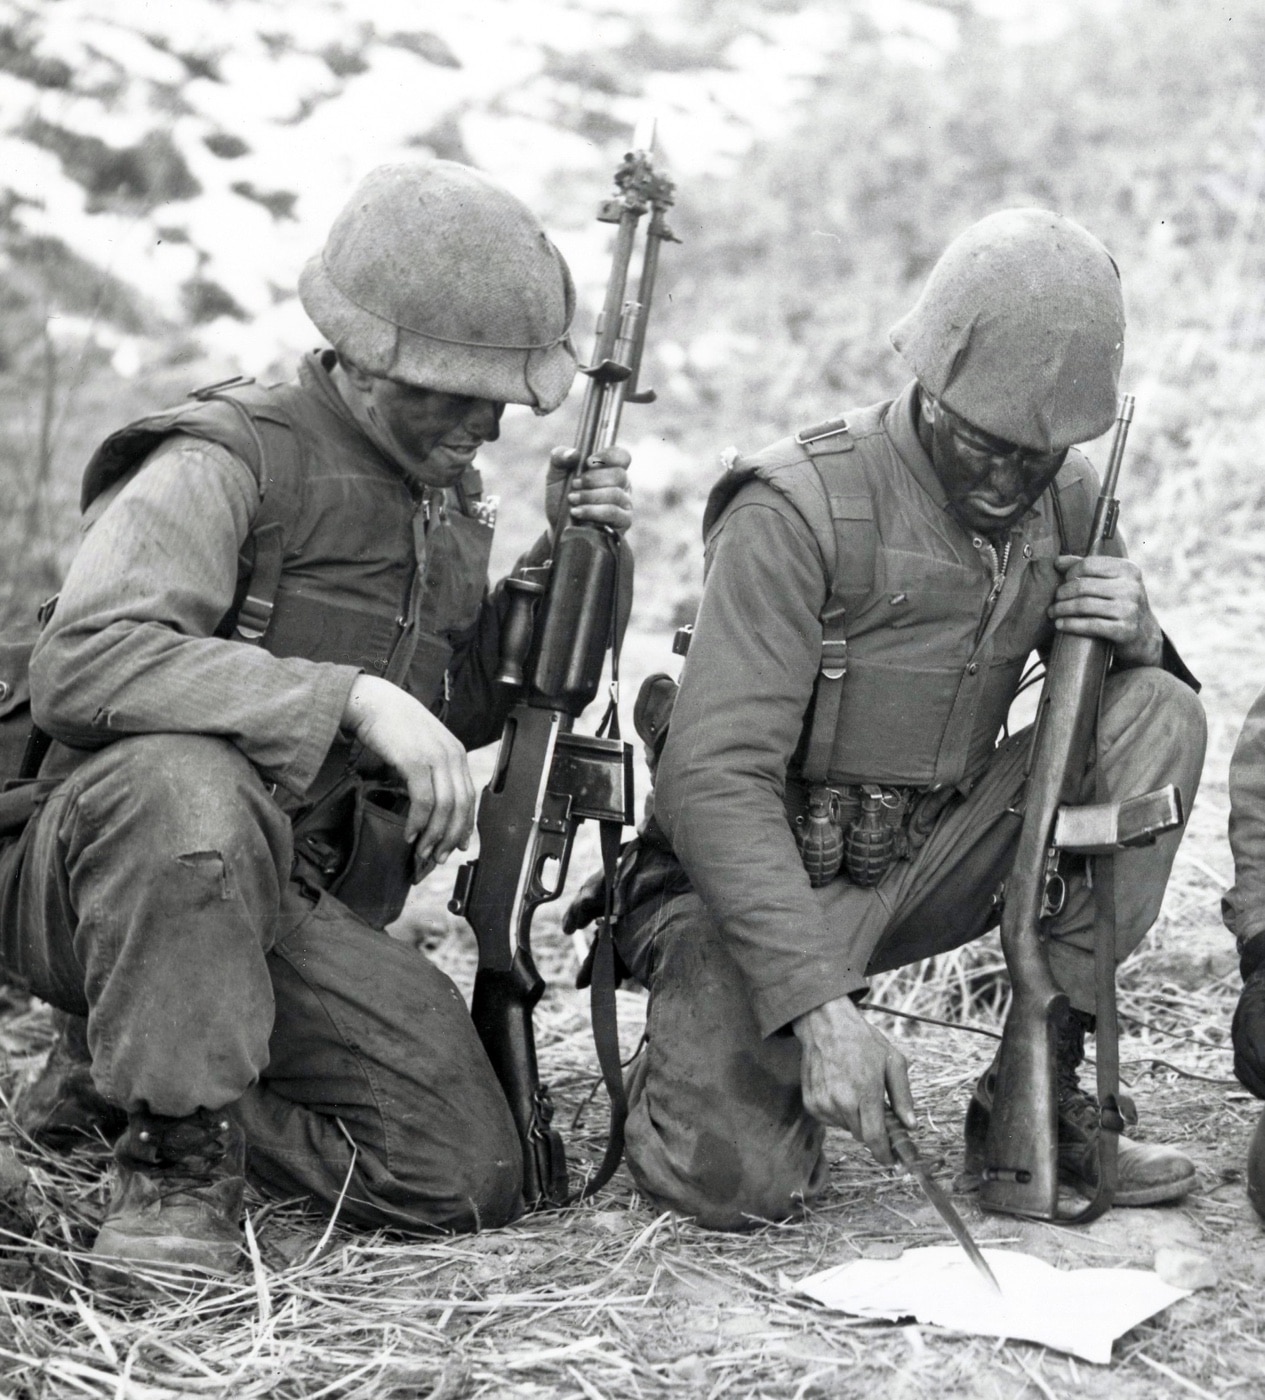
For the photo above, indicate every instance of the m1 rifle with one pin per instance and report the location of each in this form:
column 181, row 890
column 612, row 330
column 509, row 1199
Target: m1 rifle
column 1020, row 1174
column 563, row 619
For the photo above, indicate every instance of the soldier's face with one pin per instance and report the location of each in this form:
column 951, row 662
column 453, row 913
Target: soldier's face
column 990, row 483
column 431, row 435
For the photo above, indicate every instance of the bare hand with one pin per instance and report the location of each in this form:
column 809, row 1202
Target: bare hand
column 600, row 495
column 850, row 1070
column 1103, row 596
column 407, row 737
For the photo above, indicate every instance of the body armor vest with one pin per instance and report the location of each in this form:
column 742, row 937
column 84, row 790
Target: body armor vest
column 347, row 561
column 919, row 666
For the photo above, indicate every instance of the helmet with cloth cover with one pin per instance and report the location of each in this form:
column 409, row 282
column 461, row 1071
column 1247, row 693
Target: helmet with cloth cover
column 435, row 276
column 1020, row 330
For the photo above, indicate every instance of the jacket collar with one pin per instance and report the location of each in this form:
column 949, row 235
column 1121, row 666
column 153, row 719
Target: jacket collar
column 899, row 424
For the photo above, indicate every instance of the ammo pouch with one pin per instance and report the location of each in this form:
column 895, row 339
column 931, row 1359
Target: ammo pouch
column 352, row 844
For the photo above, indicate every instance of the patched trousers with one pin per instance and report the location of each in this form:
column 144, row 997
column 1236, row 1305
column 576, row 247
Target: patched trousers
column 154, row 898
column 717, row 1128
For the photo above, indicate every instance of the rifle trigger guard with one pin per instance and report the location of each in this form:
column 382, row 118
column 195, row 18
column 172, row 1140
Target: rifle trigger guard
column 1054, row 899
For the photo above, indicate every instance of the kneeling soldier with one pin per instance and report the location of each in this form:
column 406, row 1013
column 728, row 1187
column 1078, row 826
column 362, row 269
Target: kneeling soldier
column 874, row 587
column 271, row 653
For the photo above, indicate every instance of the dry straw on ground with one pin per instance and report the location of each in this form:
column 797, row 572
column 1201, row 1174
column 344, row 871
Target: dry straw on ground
column 612, row 1300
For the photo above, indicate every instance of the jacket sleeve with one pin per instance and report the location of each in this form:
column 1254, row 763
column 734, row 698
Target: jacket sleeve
column 746, row 685
column 1243, row 905
column 131, row 649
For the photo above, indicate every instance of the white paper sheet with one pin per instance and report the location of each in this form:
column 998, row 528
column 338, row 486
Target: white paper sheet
column 1081, row 1311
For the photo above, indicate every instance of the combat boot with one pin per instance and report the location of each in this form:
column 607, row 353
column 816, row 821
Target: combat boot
column 1147, row 1174
column 175, row 1211
column 63, row 1107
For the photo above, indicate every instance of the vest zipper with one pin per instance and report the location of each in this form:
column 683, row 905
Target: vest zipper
column 997, row 568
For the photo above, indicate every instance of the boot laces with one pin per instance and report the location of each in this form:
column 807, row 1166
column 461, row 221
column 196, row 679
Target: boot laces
column 1077, row 1107
column 184, row 1153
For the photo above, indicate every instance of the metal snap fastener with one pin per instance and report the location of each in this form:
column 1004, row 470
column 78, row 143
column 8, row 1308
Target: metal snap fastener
column 972, row 668
column 4, row 691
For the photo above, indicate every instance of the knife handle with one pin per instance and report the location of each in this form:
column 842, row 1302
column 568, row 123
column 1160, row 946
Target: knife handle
column 902, row 1143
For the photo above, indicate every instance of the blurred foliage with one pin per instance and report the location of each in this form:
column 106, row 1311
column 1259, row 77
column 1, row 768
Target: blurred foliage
column 1143, row 119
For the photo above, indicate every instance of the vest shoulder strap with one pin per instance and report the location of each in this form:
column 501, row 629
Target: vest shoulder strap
column 817, row 472
column 830, row 447
column 277, row 464
column 250, row 422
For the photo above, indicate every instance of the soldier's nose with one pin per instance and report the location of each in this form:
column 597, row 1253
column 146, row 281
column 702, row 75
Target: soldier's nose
column 484, row 418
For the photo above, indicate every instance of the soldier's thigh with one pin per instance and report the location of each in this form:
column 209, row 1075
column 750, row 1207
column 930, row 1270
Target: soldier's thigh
column 370, row 1033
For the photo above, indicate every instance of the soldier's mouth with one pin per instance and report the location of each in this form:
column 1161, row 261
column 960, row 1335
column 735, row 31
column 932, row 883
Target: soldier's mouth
column 990, row 509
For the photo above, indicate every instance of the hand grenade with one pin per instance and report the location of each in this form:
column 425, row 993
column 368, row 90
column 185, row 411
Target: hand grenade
column 871, row 843
column 819, row 836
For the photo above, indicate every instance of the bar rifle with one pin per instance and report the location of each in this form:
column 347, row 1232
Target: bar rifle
column 563, row 619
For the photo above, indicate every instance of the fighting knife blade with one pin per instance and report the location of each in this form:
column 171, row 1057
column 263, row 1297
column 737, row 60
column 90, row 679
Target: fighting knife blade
column 907, row 1155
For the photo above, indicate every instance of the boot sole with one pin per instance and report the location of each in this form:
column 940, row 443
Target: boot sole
column 150, row 1267
column 1162, row 1193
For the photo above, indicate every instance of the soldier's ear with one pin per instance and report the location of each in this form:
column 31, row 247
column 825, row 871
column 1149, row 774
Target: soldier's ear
column 927, row 406
column 359, row 378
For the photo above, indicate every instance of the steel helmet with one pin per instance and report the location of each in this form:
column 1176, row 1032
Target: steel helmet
column 437, row 277
column 1020, row 330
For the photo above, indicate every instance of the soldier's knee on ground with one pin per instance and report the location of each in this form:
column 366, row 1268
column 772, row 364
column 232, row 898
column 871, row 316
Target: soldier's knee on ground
column 719, row 1194
column 730, row 1169
column 482, row 1189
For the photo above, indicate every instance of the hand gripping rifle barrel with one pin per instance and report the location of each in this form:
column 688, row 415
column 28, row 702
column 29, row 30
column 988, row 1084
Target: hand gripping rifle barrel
column 561, row 621
column 1020, row 1170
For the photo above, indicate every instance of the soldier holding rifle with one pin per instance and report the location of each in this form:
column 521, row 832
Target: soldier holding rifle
column 270, row 656
column 832, row 782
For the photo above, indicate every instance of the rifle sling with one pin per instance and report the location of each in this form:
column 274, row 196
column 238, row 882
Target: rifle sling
column 602, row 977
column 604, row 1016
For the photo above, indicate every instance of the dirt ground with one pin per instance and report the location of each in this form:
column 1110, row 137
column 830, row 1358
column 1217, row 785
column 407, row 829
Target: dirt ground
column 1177, row 997
column 611, row 1299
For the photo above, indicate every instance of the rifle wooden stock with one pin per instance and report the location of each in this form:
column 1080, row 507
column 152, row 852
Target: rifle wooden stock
column 502, row 1008
column 1021, row 1158
column 1020, row 1175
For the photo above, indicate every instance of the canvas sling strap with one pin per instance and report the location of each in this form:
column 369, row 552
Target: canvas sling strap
column 603, row 974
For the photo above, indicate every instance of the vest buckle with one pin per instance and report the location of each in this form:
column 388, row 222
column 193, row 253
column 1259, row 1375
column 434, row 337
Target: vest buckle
column 834, row 659
column 253, row 618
